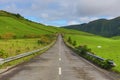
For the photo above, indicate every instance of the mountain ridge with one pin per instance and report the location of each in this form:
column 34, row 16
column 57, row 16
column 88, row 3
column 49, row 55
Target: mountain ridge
column 102, row 27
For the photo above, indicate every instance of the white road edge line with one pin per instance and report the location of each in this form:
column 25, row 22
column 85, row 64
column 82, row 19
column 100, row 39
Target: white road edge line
column 60, row 72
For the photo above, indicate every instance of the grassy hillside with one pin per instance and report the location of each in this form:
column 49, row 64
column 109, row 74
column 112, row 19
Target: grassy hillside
column 103, row 27
column 18, row 26
column 110, row 49
column 11, row 25
column 14, row 26
column 71, row 31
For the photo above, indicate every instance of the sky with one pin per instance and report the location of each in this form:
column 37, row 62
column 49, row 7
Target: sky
column 63, row 12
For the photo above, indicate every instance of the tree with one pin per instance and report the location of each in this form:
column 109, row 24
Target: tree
column 18, row 15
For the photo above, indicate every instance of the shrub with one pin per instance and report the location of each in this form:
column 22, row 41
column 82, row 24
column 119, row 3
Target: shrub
column 3, row 54
column 85, row 52
column 74, row 43
column 18, row 15
column 69, row 40
column 17, row 51
column 83, row 49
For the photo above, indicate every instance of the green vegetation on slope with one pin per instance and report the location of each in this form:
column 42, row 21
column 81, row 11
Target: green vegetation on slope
column 16, row 26
column 10, row 25
column 103, row 27
column 14, row 47
column 71, row 31
column 110, row 49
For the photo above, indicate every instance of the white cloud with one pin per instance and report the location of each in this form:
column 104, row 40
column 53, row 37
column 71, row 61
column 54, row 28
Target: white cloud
column 73, row 11
column 73, row 22
column 81, row 20
column 87, row 19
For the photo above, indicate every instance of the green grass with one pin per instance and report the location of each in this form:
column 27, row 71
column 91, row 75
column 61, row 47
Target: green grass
column 116, row 37
column 21, row 60
column 18, row 46
column 11, row 25
column 110, row 48
column 19, row 26
column 71, row 31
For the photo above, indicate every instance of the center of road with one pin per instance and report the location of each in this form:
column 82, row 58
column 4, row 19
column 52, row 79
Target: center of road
column 59, row 67
column 59, row 59
column 60, row 71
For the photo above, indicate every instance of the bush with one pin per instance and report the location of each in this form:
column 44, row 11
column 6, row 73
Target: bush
column 18, row 51
column 69, row 40
column 74, row 43
column 3, row 54
column 18, row 15
column 83, row 49
column 86, row 53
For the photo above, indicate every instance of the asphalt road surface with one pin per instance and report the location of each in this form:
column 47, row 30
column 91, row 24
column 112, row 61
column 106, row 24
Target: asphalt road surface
column 58, row 63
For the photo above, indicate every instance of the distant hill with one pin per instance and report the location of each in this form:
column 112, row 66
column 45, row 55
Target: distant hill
column 103, row 27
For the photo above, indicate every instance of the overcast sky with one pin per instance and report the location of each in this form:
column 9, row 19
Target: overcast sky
column 63, row 12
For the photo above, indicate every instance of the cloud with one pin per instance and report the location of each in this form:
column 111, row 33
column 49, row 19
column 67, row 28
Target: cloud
column 73, row 22
column 87, row 19
column 81, row 20
column 98, row 8
column 71, row 11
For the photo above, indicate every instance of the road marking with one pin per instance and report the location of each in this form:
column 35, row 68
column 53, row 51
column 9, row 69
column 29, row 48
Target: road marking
column 59, row 59
column 60, row 72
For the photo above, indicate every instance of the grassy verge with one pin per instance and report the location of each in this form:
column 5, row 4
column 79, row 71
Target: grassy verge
column 14, row 47
column 21, row 60
column 109, row 48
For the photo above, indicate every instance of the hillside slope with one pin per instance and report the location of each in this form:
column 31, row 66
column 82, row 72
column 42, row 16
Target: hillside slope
column 19, row 26
column 103, row 27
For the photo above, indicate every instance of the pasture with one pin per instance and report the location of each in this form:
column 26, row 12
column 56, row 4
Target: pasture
column 107, row 48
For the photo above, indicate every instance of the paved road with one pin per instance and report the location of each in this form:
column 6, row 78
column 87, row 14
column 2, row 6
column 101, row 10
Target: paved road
column 58, row 63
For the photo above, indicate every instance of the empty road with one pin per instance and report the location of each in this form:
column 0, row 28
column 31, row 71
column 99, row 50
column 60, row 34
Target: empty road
column 58, row 63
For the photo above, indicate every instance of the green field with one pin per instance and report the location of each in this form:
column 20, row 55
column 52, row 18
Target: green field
column 15, row 47
column 110, row 48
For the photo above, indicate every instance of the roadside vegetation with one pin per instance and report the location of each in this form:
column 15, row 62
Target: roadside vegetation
column 12, row 47
column 106, row 48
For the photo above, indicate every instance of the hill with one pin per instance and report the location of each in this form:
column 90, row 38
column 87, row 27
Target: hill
column 15, row 24
column 103, row 27
column 18, row 27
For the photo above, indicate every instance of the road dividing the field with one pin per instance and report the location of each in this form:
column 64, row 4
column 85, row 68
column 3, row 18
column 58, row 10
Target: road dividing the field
column 58, row 63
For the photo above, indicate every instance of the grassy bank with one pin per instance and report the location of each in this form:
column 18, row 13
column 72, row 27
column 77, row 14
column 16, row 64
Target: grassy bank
column 103, row 47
